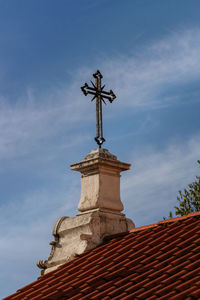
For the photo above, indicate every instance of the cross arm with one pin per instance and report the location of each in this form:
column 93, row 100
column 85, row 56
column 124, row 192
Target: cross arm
column 110, row 93
column 86, row 89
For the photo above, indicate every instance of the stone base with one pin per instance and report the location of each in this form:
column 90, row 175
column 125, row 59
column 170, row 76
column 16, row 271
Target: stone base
column 100, row 181
column 74, row 236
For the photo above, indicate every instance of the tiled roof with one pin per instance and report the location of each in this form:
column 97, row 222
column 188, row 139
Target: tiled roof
column 159, row 261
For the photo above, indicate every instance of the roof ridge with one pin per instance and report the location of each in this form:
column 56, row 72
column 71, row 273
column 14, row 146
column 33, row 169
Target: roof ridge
column 171, row 220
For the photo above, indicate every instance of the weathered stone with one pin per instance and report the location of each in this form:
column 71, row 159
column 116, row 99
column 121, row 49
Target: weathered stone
column 100, row 206
column 100, row 181
column 82, row 233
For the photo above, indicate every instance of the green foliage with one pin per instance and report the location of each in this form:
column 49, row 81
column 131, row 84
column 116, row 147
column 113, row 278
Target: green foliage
column 189, row 199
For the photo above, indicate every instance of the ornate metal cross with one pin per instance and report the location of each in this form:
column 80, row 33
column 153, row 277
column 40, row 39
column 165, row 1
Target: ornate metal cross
column 97, row 91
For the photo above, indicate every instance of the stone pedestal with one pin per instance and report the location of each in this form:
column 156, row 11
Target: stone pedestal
column 100, row 181
column 100, row 209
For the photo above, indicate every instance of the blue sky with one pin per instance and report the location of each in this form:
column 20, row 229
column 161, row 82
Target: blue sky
column 149, row 54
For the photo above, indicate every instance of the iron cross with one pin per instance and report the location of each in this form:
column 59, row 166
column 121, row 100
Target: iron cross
column 97, row 91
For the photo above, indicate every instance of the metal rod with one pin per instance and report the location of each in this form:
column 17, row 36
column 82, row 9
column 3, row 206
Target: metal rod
column 97, row 110
column 100, row 120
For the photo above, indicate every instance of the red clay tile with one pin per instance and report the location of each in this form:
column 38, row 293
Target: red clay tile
column 195, row 293
column 38, row 297
column 160, row 241
column 137, row 286
column 163, row 263
column 123, row 281
column 91, row 295
column 195, row 264
column 139, row 277
column 183, row 294
column 168, row 295
column 158, row 272
column 189, row 233
column 102, row 287
column 160, row 278
column 78, row 296
column 171, row 237
column 68, row 289
column 173, row 270
column 134, row 294
column 167, row 255
column 168, row 288
column 188, row 241
column 106, row 292
column 159, row 261
column 122, row 296
column 195, row 256
column 53, row 294
column 128, row 297
column 152, row 297
column 186, row 285
column 198, row 283
column 134, row 261
column 149, row 292
column 173, row 278
column 192, row 274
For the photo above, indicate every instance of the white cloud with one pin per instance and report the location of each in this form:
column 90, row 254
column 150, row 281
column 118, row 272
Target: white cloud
column 24, row 126
column 140, row 80
column 151, row 187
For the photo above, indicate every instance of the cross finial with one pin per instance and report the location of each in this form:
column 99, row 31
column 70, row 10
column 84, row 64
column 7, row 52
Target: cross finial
column 99, row 94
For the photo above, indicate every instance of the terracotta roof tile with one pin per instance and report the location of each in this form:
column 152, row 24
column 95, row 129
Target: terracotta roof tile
column 163, row 291
column 133, row 293
column 67, row 290
column 169, row 279
column 123, row 295
column 149, row 292
column 158, row 261
column 195, row 293
column 152, row 297
column 168, row 296
column 78, row 296
column 187, row 284
column 184, row 294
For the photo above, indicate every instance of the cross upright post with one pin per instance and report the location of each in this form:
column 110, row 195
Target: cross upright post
column 99, row 94
column 99, row 121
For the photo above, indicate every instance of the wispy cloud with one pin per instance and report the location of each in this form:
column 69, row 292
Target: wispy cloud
column 30, row 122
column 151, row 187
column 139, row 81
column 143, row 79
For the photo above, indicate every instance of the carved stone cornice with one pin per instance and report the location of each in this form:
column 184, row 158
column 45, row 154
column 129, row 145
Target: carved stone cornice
column 84, row 232
column 98, row 158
